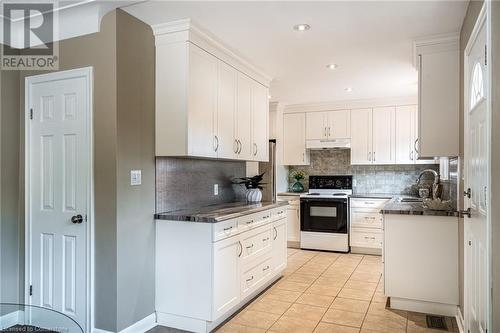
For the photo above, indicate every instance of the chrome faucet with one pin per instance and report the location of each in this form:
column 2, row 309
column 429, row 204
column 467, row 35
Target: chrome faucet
column 436, row 185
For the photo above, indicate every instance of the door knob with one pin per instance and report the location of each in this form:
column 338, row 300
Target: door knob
column 77, row 219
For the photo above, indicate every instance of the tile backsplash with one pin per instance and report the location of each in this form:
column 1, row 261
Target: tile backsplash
column 186, row 183
column 370, row 179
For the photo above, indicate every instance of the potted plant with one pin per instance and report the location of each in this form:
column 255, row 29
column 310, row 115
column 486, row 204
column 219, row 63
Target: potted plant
column 253, row 186
column 298, row 175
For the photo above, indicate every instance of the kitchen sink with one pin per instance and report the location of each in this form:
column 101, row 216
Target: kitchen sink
column 410, row 200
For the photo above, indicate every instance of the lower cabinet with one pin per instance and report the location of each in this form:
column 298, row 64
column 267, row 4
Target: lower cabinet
column 366, row 234
column 293, row 220
column 207, row 271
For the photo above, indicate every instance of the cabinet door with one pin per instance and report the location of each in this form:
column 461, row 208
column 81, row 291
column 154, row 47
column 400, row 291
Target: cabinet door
column 260, row 123
column 293, row 221
column 279, row 245
column 339, row 124
column 226, row 111
column 361, row 136
column 243, row 137
column 383, row 136
column 294, row 139
column 202, row 102
column 226, row 275
column 405, row 133
column 316, row 126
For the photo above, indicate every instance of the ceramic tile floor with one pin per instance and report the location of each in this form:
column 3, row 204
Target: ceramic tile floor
column 324, row 292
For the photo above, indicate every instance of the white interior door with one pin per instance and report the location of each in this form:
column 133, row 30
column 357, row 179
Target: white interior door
column 58, row 170
column 476, row 179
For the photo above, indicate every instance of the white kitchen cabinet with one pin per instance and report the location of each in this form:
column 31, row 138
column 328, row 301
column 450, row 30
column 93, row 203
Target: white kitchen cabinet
column 208, row 103
column 366, row 236
column 260, row 122
column 328, row 125
column 205, row 272
column 421, row 263
column 406, row 136
column 439, row 96
column 280, row 245
column 373, row 136
column 226, row 111
column 226, row 275
column 243, row 136
column 361, row 136
column 383, row 136
column 316, row 126
column 202, row 102
column 294, row 139
column 293, row 219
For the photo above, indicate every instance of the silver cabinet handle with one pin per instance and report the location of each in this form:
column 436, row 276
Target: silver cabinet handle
column 325, row 132
column 369, row 156
column 303, row 157
column 256, row 149
column 366, row 237
column 411, row 155
column 241, row 249
column 250, row 222
column 275, row 233
column 249, row 247
column 228, row 228
column 235, row 146
column 265, row 268
column 248, row 280
column 415, row 146
column 265, row 239
column 241, row 147
column 216, row 143
column 373, row 156
column 329, row 133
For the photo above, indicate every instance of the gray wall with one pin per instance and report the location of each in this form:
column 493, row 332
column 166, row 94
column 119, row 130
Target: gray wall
column 135, row 150
column 183, row 182
column 391, row 179
column 470, row 19
column 11, row 274
column 124, row 140
column 495, row 167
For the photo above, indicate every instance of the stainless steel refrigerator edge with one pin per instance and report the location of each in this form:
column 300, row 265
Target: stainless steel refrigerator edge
column 269, row 170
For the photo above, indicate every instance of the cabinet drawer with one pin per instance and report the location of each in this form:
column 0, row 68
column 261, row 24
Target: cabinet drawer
column 254, row 275
column 254, row 220
column 366, row 219
column 255, row 244
column 368, row 203
column 224, row 229
column 366, row 238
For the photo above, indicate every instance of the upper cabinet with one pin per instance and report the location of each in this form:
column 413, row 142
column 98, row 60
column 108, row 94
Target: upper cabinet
column 373, row 136
column 437, row 60
column 328, row 125
column 294, row 139
column 209, row 103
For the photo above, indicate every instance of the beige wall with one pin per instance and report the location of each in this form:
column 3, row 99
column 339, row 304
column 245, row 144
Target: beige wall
column 469, row 21
column 495, row 167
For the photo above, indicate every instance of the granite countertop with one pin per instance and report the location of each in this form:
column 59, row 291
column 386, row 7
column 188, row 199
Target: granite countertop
column 395, row 206
column 218, row 213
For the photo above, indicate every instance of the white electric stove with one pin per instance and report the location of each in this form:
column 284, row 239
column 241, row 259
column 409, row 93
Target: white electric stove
column 324, row 220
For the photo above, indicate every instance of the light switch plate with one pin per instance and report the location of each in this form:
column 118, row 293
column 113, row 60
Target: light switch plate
column 216, row 189
column 135, row 177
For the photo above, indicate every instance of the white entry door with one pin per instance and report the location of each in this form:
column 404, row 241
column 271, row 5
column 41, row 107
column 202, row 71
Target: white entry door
column 58, row 193
column 477, row 280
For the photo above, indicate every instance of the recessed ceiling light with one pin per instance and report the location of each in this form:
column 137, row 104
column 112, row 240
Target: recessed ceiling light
column 348, row 89
column 301, row 27
column 332, row 66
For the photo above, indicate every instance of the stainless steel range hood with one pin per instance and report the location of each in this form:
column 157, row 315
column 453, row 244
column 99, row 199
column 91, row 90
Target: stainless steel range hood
column 328, row 144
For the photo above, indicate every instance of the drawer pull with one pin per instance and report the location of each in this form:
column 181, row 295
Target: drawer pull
column 228, row 228
column 275, row 233
column 366, row 237
column 250, row 222
column 248, row 280
column 369, row 203
column 241, row 248
column 265, row 268
column 369, row 218
column 265, row 217
column 265, row 239
column 249, row 246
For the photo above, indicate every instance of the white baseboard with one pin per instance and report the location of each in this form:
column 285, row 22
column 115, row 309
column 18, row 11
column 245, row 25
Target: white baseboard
column 11, row 319
column 141, row 326
column 460, row 320
column 440, row 309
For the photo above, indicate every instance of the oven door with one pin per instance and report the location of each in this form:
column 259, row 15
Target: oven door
column 323, row 215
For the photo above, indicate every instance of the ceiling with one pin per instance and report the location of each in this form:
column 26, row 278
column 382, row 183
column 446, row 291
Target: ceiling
column 370, row 41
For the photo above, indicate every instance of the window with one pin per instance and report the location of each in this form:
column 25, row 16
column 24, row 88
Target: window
column 477, row 89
